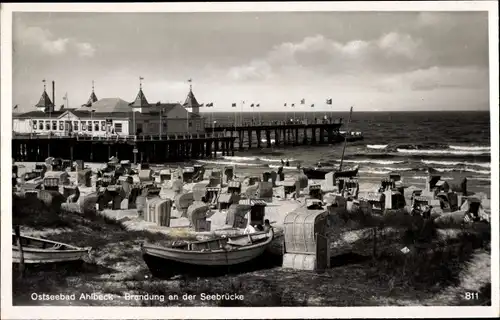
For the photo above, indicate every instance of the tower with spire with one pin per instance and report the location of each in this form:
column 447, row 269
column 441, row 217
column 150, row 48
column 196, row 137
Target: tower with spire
column 140, row 103
column 45, row 104
column 191, row 101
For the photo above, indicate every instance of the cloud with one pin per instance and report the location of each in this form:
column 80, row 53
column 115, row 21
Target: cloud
column 392, row 51
column 435, row 78
column 46, row 42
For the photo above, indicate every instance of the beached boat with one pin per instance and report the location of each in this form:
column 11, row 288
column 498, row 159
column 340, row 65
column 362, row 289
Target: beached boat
column 320, row 172
column 205, row 256
column 37, row 250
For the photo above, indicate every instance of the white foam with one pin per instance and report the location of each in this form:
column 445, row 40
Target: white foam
column 480, row 178
column 479, row 164
column 375, row 161
column 374, row 171
column 376, row 146
column 478, row 171
column 236, row 158
column 471, row 148
column 440, row 151
column 275, row 166
column 232, row 163
column 457, row 163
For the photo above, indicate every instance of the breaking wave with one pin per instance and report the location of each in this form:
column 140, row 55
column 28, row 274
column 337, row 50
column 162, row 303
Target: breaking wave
column 233, row 163
column 375, row 161
column 376, row 146
column 443, row 151
column 457, row 163
column 237, row 158
column 471, row 148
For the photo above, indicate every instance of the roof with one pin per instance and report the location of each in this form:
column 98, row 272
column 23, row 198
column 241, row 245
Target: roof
column 191, row 101
column 140, row 101
column 44, row 101
column 92, row 99
column 108, row 105
column 38, row 114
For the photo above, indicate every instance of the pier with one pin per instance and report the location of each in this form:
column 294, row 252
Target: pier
column 153, row 149
column 280, row 134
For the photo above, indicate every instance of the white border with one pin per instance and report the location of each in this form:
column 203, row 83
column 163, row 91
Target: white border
column 9, row 312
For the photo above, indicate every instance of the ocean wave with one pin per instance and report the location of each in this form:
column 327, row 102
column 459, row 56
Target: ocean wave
column 238, row 158
column 375, row 161
column 441, row 151
column 374, row 171
column 232, row 163
column 425, row 177
column 480, row 178
column 376, row 146
column 471, row 148
column 275, row 166
column 456, row 163
column 477, row 171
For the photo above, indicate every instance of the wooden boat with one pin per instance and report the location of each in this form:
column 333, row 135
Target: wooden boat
column 206, row 256
column 320, row 172
column 37, row 250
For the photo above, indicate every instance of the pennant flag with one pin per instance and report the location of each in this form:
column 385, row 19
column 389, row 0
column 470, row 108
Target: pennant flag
column 15, row 107
column 61, row 107
column 158, row 103
column 303, row 101
column 312, row 105
column 201, row 105
column 258, row 105
column 285, row 104
column 234, row 105
column 293, row 104
column 141, row 78
column 251, row 106
column 65, row 96
column 328, row 101
column 190, row 80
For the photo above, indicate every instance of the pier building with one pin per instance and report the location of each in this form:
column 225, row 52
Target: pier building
column 110, row 117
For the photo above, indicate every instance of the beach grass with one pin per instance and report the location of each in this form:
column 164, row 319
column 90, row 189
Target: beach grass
column 429, row 276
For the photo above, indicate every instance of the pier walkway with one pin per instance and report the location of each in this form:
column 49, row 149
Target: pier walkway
column 223, row 139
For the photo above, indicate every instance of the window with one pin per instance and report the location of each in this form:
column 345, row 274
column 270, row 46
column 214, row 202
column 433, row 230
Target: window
column 89, row 125
column 47, row 125
column 96, row 125
column 61, row 125
column 84, row 126
column 40, row 125
column 103, row 125
column 54, row 125
column 75, row 125
column 118, row 127
column 190, row 124
column 34, row 124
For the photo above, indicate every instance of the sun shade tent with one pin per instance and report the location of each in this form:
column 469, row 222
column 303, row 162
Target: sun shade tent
column 265, row 191
column 200, row 191
column 257, row 210
column 306, row 239
column 376, row 200
column 187, row 174
column 227, row 199
column 199, row 172
column 165, row 175
column 394, row 200
column 183, row 201
column 53, row 179
column 302, row 180
column 197, row 215
column 236, row 215
column 158, row 211
column 315, row 192
column 234, row 187
column 228, row 173
column 71, row 193
column 84, row 177
column 52, row 199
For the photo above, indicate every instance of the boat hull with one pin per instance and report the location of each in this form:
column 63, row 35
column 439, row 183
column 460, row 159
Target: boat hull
column 48, row 257
column 168, row 262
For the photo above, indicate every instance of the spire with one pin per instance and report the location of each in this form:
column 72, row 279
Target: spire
column 140, row 101
column 93, row 97
column 45, row 101
column 190, row 99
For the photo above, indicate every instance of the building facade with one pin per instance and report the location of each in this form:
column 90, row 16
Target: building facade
column 111, row 117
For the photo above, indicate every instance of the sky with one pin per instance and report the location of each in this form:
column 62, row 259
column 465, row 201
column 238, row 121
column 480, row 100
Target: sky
column 374, row 61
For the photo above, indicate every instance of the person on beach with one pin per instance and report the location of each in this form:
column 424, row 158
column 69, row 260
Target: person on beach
column 282, row 162
column 287, row 163
column 267, row 225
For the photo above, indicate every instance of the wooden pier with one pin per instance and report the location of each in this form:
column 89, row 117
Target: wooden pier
column 280, row 134
column 180, row 147
column 152, row 149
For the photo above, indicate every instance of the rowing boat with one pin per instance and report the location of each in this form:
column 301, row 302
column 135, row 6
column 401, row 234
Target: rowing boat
column 37, row 250
column 206, row 256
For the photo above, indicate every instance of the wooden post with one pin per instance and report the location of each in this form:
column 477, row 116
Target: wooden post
column 374, row 243
column 21, row 254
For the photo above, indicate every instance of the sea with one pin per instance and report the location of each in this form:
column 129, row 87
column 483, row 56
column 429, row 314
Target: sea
column 453, row 144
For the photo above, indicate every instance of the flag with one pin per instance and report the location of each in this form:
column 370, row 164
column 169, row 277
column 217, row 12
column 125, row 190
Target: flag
column 328, row 101
column 65, row 96
column 293, row 105
column 233, row 105
column 158, row 103
column 285, row 104
column 251, row 106
column 258, row 105
column 15, row 107
column 312, row 105
column 141, row 78
column 303, row 101
column 190, row 80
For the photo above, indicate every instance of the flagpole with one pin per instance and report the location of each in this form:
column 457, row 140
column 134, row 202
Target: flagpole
column 345, row 140
column 286, row 114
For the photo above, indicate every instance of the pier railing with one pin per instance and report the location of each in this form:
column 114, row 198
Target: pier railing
column 142, row 137
column 274, row 123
